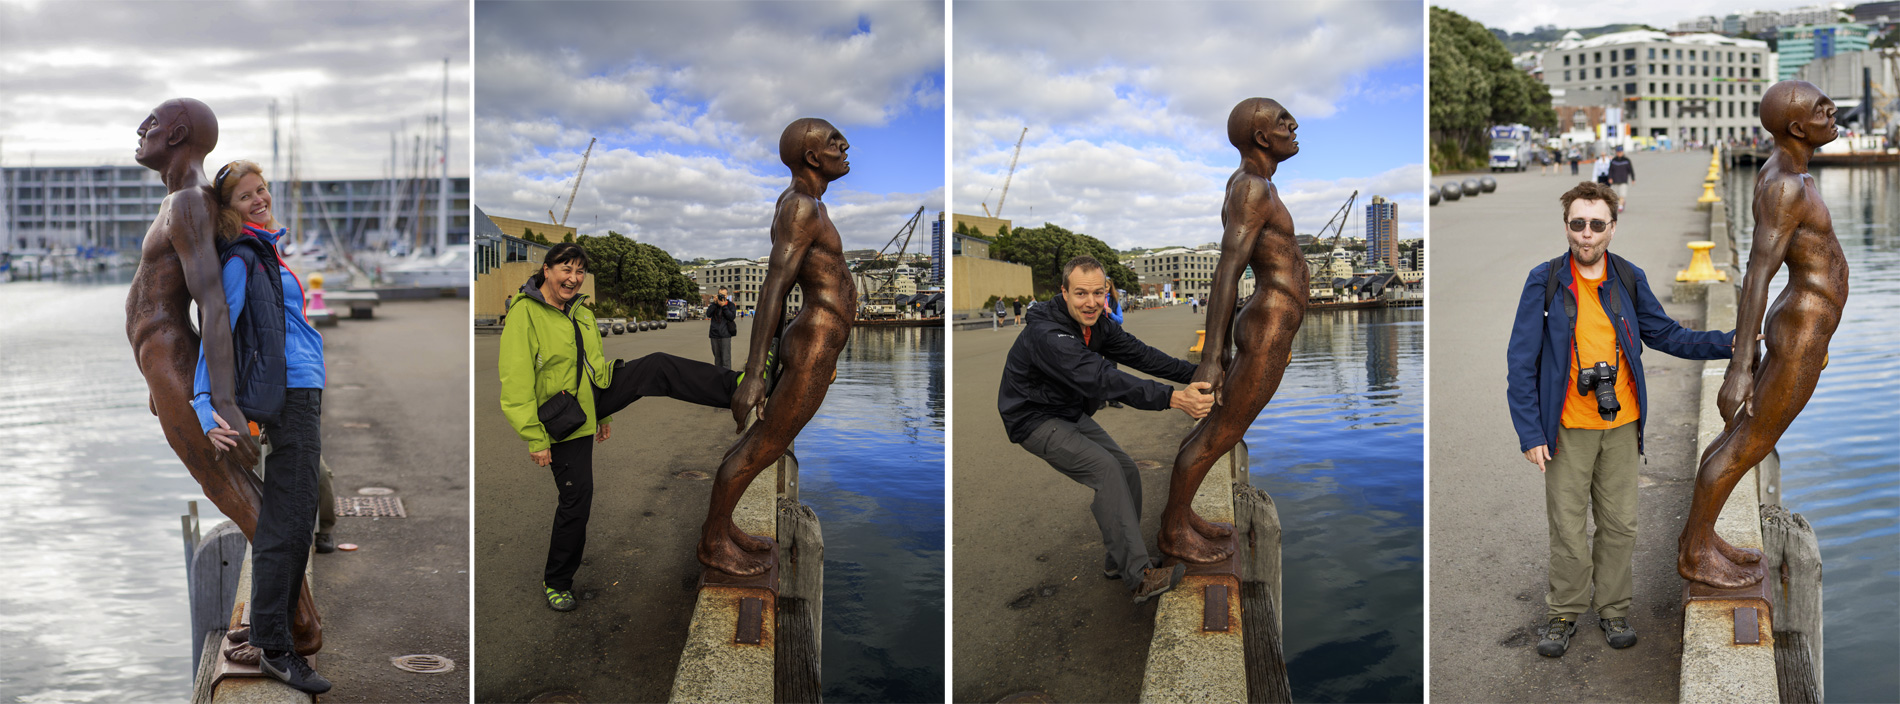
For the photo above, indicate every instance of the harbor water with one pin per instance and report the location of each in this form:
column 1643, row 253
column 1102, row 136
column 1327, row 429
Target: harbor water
column 93, row 603
column 1840, row 460
column 872, row 466
column 1340, row 449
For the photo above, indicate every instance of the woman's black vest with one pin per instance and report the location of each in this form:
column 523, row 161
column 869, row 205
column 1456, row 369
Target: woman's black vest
column 258, row 338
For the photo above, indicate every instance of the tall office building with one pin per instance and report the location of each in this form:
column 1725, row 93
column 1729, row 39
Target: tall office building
column 1382, row 232
column 936, row 250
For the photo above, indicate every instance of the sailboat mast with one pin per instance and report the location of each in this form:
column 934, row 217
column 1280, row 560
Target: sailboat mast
column 442, row 191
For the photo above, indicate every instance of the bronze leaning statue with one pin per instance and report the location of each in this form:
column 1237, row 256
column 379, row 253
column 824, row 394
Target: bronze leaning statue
column 178, row 264
column 807, row 252
column 1762, row 393
column 1257, row 232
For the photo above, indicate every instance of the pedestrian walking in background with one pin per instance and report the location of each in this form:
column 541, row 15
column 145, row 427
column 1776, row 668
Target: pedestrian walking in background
column 1576, row 155
column 1622, row 172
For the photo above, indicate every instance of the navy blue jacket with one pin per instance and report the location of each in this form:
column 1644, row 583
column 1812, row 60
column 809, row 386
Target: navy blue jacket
column 1050, row 373
column 1538, row 361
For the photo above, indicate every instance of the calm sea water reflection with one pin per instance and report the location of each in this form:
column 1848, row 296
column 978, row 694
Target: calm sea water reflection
column 1341, row 450
column 92, row 604
column 1840, row 460
column 872, row 464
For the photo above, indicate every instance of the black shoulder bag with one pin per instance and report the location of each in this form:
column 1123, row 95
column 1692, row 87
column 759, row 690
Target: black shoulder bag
column 562, row 415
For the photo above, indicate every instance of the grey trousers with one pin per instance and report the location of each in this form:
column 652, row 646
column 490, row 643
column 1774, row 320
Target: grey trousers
column 722, row 352
column 1084, row 452
column 1593, row 472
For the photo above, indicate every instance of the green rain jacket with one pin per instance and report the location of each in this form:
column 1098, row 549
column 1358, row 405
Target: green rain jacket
column 537, row 362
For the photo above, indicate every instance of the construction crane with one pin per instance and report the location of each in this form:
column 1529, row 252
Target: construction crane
column 1006, row 178
column 577, row 187
column 881, row 301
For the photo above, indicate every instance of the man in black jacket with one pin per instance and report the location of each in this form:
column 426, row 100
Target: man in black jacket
column 1622, row 172
column 721, row 313
column 1056, row 376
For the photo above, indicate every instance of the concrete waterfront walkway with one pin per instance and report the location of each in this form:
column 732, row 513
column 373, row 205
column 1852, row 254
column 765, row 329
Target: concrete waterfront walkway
column 637, row 584
column 1489, row 540
column 1032, row 612
column 393, row 417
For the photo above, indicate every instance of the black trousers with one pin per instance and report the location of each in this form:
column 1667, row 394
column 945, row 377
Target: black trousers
column 280, row 547
column 657, row 374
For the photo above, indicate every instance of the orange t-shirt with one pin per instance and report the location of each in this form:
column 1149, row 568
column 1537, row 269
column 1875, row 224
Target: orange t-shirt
column 1596, row 341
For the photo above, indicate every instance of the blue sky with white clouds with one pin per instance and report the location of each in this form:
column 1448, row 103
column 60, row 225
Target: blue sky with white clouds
column 1126, row 104
column 688, row 101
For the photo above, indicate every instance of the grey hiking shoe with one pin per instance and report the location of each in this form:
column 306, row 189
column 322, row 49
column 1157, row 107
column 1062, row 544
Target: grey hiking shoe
column 1556, row 636
column 1156, row 580
column 1617, row 631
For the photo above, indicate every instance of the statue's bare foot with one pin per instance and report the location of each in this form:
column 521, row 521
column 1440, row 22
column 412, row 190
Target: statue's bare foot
column 721, row 553
column 1740, row 556
column 747, row 541
column 1208, row 529
column 1183, row 541
column 1702, row 563
column 306, row 634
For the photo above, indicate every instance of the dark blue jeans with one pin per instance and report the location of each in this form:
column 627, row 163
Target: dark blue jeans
column 281, row 547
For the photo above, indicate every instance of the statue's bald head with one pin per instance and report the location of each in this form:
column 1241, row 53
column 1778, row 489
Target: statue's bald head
column 201, row 126
column 1250, row 116
column 803, row 135
column 1789, row 102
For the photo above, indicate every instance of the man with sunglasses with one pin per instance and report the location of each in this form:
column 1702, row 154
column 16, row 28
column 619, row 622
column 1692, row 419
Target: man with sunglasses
column 1578, row 402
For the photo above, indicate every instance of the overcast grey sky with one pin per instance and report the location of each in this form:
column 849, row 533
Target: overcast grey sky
column 76, row 78
column 1127, row 103
column 688, row 100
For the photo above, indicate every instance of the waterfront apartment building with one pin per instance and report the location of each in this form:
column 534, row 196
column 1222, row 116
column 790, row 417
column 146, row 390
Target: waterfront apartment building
column 742, row 279
column 1382, row 232
column 1185, row 272
column 47, row 207
column 1802, row 44
column 1694, row 87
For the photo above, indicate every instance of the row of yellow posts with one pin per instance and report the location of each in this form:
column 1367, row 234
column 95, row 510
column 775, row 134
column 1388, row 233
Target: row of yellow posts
column 1701, row 267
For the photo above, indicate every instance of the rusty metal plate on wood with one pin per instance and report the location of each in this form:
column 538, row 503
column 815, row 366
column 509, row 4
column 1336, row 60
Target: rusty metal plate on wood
column 1747, row 630
column 370, row 506
column 1214, row 608
column 751, row 620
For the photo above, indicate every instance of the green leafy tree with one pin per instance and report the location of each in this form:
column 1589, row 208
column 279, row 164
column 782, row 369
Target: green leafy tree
column 638, row 276
column 1045, row 249
column 1474, row 86
column 532, row 236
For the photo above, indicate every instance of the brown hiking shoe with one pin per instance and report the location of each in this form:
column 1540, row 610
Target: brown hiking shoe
column 1156, row 580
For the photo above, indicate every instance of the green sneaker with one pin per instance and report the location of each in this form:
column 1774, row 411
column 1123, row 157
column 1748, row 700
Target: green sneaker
column 560, row 600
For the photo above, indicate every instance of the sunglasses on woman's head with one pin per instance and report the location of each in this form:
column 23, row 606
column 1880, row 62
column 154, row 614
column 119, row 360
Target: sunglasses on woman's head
column 1595, row 225
column 217, row 184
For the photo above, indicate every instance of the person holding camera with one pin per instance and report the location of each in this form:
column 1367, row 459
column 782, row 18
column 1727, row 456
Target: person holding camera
column 1578, row 402
column 721, row 313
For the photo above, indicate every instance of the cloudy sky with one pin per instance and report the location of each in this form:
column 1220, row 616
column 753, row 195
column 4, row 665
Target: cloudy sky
column 77, row 78
column 1520, row 16
column 688, row 101
column 1127, row 102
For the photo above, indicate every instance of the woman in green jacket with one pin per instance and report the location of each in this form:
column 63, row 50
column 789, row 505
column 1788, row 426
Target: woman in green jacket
column 550, row 346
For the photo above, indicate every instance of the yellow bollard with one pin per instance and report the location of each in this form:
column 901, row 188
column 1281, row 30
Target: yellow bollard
column 1708, row 194
column 1200, row 338
column 316, row 281
column 1701, row 268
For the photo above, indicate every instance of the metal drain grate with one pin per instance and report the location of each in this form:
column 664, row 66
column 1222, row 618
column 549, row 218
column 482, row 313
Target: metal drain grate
column 370, row 506
column 424, row 664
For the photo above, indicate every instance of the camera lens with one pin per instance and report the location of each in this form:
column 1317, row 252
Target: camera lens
column 1607, row 407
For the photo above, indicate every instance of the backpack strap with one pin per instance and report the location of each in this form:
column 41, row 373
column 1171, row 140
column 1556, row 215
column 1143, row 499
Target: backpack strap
column 1550, row 289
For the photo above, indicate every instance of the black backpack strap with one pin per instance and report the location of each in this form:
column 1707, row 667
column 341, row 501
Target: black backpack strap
column 1625, row 273
column 1550, row 289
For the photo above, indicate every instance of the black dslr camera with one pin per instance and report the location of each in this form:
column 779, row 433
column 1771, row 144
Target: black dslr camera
column 1601, row 379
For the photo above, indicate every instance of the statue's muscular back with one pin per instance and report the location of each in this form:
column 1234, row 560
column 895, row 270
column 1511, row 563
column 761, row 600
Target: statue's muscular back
column 1817, row 268
column 1279, row 268
column 822, row 277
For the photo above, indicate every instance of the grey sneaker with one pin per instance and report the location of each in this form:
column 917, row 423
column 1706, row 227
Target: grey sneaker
column 1556, row 636
column 1156, row 580
column 1617, row 631
column 1110, row 570
column 294, row 671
